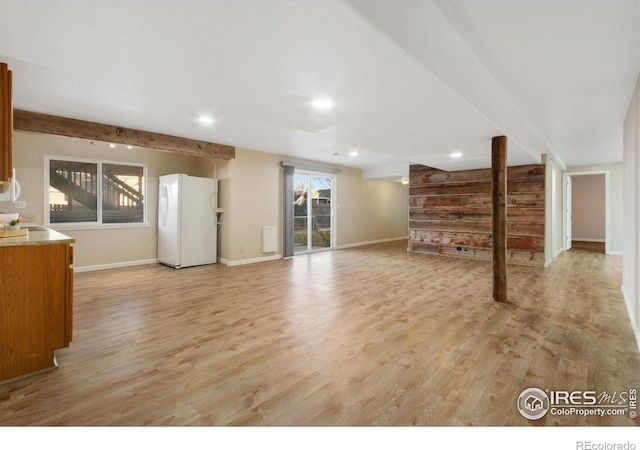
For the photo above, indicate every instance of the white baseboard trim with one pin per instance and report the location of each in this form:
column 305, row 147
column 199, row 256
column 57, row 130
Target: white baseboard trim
column 242, row 262
column 550, row 260
column 614, row 253
column 379, row 241
column 602, row 241
column 634, row 326
column 275, row 257
column 114, row 265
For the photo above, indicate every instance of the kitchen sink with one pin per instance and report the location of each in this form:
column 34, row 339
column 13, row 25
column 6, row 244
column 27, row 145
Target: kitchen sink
column 35, row 228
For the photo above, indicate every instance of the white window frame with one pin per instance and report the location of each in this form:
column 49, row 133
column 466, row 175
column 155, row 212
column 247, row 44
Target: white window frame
column 98, row 224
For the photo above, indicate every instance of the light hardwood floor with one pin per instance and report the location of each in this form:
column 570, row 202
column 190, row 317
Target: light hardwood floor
column 366, row 336
column 598, row 247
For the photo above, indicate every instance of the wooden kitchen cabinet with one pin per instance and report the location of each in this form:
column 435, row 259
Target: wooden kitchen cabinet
column 6, row 126
column 36, row 306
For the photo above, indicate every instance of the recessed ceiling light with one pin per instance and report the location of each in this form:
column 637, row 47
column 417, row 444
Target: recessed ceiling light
column 130, row 147
column 322, row 104
column 405, row 181
column 353, row 153
column 206, row 120
column 456, row 155
column 112, row 145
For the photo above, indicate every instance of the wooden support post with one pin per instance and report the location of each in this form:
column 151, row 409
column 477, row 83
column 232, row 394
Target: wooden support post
column 499, row 216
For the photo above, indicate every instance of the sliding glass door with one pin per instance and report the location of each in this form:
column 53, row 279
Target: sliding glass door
column 312, row 212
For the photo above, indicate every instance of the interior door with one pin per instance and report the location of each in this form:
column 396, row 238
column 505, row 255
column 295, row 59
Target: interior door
column 569, row 214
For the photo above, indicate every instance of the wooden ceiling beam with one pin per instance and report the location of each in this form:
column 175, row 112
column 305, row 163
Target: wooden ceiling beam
column 62, row 126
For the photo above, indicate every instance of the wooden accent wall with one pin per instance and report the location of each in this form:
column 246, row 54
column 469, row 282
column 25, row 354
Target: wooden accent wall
column 450, row 213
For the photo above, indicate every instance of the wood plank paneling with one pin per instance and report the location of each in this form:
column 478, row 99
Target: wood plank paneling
column 474, row 187
column 451, row 210
column 519, row 228
column 475, row 240
column 429, row 175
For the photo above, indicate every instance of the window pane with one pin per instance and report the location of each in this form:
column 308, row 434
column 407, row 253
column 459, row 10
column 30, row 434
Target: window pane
column 73, row 192
column 321, row 215
column 122, row 193
column 300, row 188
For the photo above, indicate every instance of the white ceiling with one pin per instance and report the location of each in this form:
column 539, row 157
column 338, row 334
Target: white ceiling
column 411, row 81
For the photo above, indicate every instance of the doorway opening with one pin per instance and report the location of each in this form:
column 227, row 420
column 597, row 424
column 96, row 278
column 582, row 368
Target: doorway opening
column 587, row 211
column 313, row 211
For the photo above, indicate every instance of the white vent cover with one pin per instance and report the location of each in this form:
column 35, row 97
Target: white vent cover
column 269, row 239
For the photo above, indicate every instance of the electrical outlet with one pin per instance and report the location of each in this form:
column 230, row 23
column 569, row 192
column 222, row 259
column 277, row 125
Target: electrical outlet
column 20, row 204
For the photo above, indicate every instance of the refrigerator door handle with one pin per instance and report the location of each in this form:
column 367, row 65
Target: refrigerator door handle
column 164, row 205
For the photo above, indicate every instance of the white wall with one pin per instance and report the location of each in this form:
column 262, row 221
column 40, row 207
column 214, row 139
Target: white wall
column 250, row 191
column 97, row 247
column 588, row 208
column 630, row 266
column 553, row 210
column 370, row 210
column 253, row 200
column 251, row 195
column 219, row 169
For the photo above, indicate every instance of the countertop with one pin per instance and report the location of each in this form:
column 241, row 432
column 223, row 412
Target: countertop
column 38, row 235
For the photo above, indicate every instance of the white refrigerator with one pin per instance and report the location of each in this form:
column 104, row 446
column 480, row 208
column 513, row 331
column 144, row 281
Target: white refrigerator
column 187, row 220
